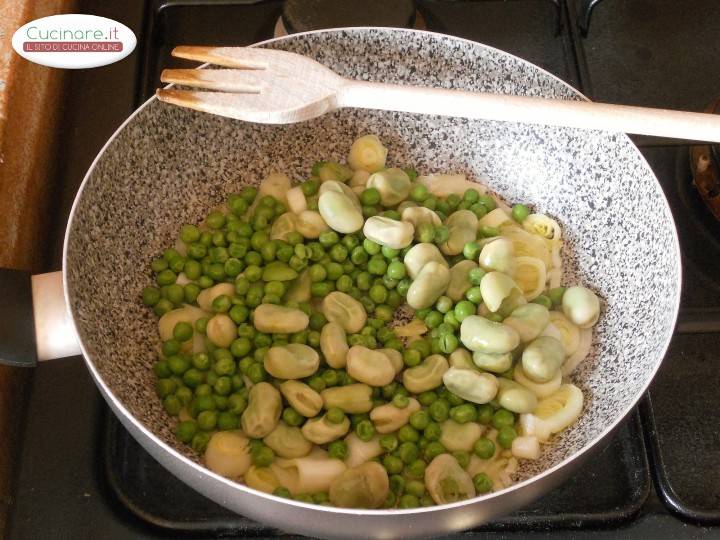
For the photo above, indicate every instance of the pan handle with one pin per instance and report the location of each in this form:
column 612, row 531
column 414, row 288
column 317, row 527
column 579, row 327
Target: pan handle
column 33, row 311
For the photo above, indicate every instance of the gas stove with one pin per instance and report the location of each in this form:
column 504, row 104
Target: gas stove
column 82, row 475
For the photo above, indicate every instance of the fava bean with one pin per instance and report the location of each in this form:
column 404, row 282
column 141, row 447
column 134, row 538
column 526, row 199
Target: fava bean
column 581, row 306
column 498, row 255
column 263, row 410
column 421, row 254
column 393, row 184
column 274, row 319
column 426, row 376
column 388, row 232
column 460, row 437
column 447, row 482
column 322, row 431
column 352, row 398
column 339, row 212
column 480, row 334
column 542, row 358
column 497, row 363
column 515, row 397
column 471, row 385
column 496, row 287
column 428, row 286
column 370, row 367
column 364, row 486
column 344, row 310
column 462, row 226
column 529, row 321
column 292, row 361
column 333, row 343
column 389, row 418
column 460, row 279
column 302, row 398
column 288, row 442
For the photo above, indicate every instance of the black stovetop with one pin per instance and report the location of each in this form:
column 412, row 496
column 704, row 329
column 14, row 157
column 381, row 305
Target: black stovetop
column 81, row 475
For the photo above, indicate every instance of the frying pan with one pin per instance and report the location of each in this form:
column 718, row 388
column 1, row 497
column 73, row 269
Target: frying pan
column 166, row 166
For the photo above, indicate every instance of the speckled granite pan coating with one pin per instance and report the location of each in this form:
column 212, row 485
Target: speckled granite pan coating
column 170, row 165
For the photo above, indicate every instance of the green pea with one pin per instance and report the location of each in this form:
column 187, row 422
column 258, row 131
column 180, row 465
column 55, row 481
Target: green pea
column 389, row 442
column 484, row 448
column 408, row 452
column 396, row 270
column 485, row 413
column 463, row 413
column 416, row 469
column 503, row 418
column 193, row 377
column 494, row 317
column 464, row 309
column 310, row 187
column 544, row 301
column 262, row 455
column 471, row 250
column 439, row 410
column 291, row 417
column 237, row 403
column 407, row 433
column 150, row 296
column 475, row 275
column 335, row 415
column 397, row 484
column 171, row 347
column 482, row 483
column 183, row 331
column 520, row 212
column 365, row 430
column 489, row 232
column 392, row 464
column 505, row 436
column 186, row 430
column 158, row 265
column 556, row 295
column 223, row 386
column 377, row 267
column 338, row 450
column 419, row 193
column 178, row 364
column 370, row 197
column 442, row 234
column 422, row 346
column 317, row 383
column 207, row 420
column 175, row 293
column 385, row 313
column 201, row 361
column 425, row 232
column 333, row 270
column 448, row 343
column 433, row 449
column 256, row 373
column 378, row 293
column 328, row 238
column 462, row 457
column 474, row 295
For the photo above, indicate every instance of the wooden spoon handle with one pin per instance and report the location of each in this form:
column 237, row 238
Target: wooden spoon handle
column 553, row 112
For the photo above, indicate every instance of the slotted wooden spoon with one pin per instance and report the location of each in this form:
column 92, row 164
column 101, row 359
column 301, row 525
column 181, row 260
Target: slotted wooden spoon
column 279, row 87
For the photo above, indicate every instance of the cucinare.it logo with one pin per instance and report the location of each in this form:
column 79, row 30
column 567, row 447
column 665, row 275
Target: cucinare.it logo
column 74, row 41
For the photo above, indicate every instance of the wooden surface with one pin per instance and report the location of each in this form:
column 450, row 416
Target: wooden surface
column 278, row 87
column 29, row 112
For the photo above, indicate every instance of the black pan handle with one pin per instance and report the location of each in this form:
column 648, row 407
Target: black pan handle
column 34, row 320
column 17, row 328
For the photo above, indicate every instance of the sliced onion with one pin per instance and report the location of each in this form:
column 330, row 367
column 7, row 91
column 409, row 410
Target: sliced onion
column 569, row 333
column 580, row 354
column 530, row 275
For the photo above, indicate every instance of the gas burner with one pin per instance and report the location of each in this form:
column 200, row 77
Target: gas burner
column 307, row 15
column 705, row 164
